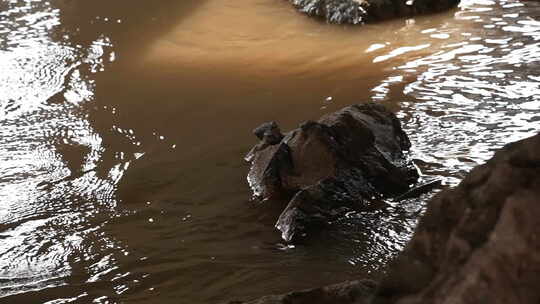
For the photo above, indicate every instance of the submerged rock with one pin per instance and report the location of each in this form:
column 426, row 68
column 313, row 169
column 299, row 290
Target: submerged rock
column 365, row 11
column 345, row 161
column 357, row 292
column 479, row 242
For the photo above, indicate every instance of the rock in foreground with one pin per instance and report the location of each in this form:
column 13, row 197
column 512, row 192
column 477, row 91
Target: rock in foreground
column 345, row 161
column 357, row 292
column 366, row 11
column 477, row 243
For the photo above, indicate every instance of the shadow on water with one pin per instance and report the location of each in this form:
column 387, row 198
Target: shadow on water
column 133, row 27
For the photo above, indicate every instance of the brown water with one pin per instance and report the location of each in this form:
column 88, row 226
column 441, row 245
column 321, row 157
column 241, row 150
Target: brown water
column 124, row 126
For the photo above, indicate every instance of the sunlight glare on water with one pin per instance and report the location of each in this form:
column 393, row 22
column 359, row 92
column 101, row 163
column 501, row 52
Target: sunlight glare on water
column 473, row 97
column 48, row 152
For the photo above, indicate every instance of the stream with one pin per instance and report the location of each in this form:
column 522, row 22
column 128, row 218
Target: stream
column 124, row 124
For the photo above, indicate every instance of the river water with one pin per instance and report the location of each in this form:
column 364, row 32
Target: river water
column 124, row 125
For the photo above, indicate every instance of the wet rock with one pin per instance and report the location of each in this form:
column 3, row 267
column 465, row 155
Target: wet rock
column 269, row 164
column 419, row 189
column 479, row 242
column 345, row 161
column 357, row 292
column 329, row 199
column 269, row 133
column 365, row 11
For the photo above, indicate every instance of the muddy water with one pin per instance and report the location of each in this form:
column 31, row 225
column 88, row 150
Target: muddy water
column 124, row 125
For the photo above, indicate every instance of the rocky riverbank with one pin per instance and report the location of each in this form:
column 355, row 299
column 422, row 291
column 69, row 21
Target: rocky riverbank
column 366, row 11
column 477, row 243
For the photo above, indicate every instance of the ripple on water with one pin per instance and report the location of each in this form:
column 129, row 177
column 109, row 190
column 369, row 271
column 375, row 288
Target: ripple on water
column 462, row 102
column 474, row 97
column 54, row 201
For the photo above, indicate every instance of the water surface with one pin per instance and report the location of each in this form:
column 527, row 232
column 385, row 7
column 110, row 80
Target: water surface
column 124, row 126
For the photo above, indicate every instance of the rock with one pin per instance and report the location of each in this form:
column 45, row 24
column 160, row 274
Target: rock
column 357, row 292
column 479, row 242
column 269, row 133
column 269, row 163
column 419, row 189
column 345, row 161
column 329, row 199
column 366, row 11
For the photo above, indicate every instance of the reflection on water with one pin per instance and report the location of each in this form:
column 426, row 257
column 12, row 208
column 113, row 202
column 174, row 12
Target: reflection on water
column 54, row 201
column 478, row 94
column 123, row 129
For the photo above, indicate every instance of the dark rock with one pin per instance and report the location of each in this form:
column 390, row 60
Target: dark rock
column 343, row 162
column 419, row 189
column 269, row 165
column 366, row 11
column 479, row 242
column 269, row 133
column 357, row 292
column 316, row 205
